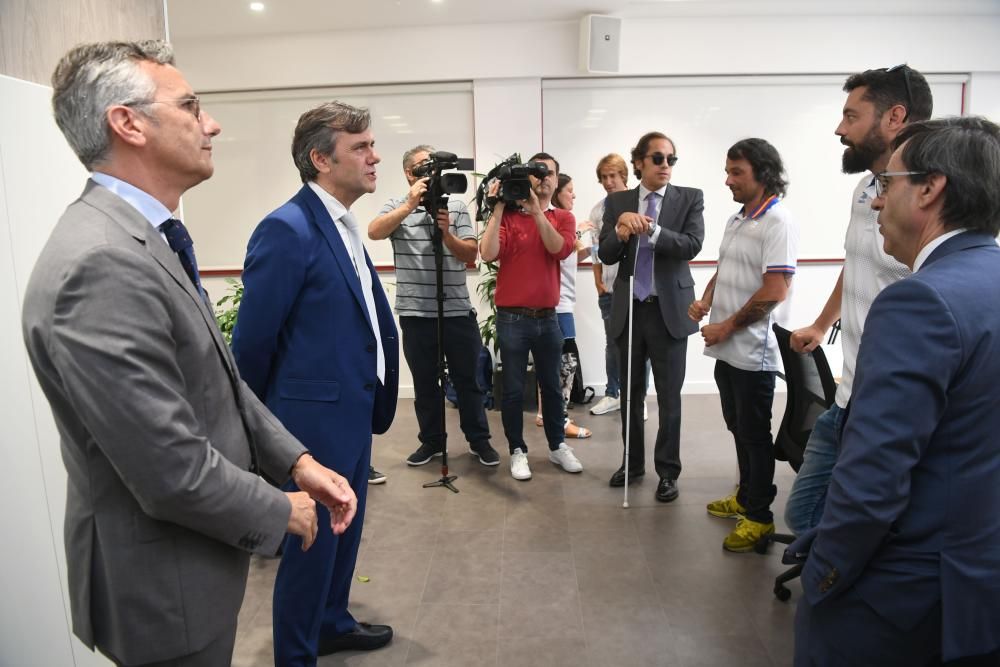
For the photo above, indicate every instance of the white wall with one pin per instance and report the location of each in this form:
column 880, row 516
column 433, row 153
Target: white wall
column 39, row 176
column 508, row 65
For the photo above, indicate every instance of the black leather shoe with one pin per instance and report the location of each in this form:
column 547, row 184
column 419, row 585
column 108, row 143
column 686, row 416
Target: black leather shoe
column 365, row 637
column 618, row 479
column 666, row 490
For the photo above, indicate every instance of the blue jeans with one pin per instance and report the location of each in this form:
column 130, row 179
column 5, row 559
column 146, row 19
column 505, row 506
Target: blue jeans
column 518, row 335
column 613, row 387
column 808, row 496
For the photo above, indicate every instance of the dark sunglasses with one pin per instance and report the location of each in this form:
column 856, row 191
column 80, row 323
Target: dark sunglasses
column 660, row 158
column 905, row 69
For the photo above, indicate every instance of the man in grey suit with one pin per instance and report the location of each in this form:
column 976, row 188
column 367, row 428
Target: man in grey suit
column 655, row 228
column 164, row 445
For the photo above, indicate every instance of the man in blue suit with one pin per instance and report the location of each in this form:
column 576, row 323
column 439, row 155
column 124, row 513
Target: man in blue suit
column 315, row 339
column 905, row 565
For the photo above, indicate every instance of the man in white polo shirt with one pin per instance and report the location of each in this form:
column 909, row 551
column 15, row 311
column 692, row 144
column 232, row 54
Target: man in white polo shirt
column 880, row 103
column 756, row 263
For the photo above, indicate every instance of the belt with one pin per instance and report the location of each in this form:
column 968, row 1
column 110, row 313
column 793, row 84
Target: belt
column 649, row 299
column 533, row 313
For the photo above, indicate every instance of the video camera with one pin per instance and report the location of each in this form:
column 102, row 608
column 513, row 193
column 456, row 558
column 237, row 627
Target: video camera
column 514, row 183
column 440, row 185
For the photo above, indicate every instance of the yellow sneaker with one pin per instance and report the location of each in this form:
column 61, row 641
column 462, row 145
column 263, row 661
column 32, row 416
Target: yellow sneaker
column 726, row 508
column 746, row 534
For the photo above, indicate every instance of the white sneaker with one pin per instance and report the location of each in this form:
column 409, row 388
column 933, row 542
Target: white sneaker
column 519, row 465
column 645, row 412
column 606, row 405
column 565, row 458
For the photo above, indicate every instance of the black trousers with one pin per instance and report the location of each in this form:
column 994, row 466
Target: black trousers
column 668, row 357
column 461, row 349
column 746, row 398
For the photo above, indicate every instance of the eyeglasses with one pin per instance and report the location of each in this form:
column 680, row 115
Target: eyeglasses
column 660, row 158
column 882, row 179
column 190, row 104
column 905, row 69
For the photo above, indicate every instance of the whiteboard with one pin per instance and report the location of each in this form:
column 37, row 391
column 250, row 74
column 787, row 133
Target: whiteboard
column 254, row 173
column 584, row 119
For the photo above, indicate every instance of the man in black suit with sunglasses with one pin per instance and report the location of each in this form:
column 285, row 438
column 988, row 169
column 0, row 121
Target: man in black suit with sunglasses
column 656, row 228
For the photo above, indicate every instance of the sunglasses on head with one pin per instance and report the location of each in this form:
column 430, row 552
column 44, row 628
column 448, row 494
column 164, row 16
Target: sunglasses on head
column 904, row 69
column 660, row 158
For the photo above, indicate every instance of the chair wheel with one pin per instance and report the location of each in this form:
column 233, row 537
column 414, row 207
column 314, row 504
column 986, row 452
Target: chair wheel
column 760, row 546
column 782, row 593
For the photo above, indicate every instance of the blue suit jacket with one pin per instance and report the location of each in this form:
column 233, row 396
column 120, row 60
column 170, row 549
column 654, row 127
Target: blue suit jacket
column 911, row 518
column 303, row 340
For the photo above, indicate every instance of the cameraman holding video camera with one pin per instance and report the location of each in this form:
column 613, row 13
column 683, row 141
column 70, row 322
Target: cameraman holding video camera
column 529, row 237
column 406, row 222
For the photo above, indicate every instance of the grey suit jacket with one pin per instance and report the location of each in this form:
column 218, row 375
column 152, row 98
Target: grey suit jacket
column 682, row 231
column 158, row 437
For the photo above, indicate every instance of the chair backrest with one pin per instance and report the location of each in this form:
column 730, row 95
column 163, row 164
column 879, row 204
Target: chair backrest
column 811, row 390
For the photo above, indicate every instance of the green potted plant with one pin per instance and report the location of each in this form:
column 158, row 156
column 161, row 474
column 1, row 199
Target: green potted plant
column 227, row 307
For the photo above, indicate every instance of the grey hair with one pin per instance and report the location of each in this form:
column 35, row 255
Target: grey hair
column 967, row 152
column 90, row 79
column 317, row 130
column 408, row 155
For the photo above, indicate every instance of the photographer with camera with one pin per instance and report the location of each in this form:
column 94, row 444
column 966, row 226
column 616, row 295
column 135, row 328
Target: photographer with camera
column 407, row 224
column 529, row 237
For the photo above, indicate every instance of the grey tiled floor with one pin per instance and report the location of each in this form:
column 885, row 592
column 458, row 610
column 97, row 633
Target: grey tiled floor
column 553, row 571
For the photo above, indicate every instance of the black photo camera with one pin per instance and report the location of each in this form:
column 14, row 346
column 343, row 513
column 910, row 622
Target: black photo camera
column 440, row 185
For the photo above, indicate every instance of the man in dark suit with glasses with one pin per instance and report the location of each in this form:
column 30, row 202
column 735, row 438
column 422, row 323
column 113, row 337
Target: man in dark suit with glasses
column 657, row 228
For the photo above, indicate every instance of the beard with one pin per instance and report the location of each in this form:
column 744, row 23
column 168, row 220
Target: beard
column 860, row 157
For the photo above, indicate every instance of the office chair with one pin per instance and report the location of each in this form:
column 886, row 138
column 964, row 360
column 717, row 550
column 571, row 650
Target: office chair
column 811, row 390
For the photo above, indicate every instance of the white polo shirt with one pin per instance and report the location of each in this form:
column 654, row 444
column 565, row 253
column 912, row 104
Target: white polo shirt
column 867, row 271
column 766, row 241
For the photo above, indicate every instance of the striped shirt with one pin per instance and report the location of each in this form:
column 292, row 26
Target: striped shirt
column 413, row 255
column 767, row 241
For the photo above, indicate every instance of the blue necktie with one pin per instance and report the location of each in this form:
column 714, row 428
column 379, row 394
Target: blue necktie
column 180, row 242
column 644, row 255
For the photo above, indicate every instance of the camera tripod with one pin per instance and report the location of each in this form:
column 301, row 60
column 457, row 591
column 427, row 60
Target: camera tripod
column 437, row 241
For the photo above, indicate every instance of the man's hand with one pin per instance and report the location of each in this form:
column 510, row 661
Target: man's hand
column 531, row 204
column 698, row 310
column 302, row 520
column 416, row 192
column 806, row 339
column 632, row 223
column 329, row 488
column 600, row 287
column 443, row 221
column 717, row 333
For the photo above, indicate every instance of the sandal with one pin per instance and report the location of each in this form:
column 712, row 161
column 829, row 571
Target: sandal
column 576, row 431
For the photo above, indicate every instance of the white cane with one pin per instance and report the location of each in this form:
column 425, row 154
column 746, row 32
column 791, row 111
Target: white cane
column 628, row 374
column 628, row 363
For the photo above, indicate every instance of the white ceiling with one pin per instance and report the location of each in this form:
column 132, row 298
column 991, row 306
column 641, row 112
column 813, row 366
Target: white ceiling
column 195, row 19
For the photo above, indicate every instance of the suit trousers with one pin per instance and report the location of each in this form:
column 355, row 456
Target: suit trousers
column 462, row 345
column 747, row 397
column 668, row 357
column 312, row 587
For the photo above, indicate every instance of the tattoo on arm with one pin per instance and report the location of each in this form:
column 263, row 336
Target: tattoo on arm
column 753, row 311
column 788, row 279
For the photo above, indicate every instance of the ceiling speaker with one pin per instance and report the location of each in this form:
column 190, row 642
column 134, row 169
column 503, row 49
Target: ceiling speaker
column 600, row 43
